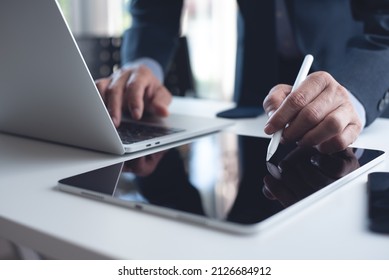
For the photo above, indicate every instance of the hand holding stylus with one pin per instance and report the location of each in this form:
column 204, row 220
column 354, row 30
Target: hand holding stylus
column 302, row 74
column 318, row 112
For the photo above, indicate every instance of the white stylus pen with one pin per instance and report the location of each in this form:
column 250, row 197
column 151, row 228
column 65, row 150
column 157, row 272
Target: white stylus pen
column 276, row 138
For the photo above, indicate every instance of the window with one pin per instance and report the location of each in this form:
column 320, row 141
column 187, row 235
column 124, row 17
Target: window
column 209, row 25
column 96, row 17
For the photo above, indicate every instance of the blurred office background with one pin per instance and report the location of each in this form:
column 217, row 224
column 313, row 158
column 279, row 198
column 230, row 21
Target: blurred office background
column 208, row 25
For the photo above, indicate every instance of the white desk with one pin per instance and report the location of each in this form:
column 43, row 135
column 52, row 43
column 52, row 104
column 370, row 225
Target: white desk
column 66, row 226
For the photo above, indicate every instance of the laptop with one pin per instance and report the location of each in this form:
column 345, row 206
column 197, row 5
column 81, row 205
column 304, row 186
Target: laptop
column 47, row 92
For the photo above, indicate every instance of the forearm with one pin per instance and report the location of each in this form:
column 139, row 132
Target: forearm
column 364, row 70
column 154, row 32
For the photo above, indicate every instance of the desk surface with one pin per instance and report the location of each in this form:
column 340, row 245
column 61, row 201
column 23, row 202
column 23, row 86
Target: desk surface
column 33, row 213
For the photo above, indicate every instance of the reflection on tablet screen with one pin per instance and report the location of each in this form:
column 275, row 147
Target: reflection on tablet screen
column 224, row 176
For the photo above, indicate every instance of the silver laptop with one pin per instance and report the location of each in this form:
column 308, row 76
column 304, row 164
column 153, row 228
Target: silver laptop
column 47, row 92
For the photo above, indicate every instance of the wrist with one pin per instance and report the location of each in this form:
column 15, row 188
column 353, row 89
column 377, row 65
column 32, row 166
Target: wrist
column 150, row 63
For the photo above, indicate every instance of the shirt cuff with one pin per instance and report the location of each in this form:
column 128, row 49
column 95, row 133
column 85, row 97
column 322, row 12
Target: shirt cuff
column 359, row 108
column 150, row 63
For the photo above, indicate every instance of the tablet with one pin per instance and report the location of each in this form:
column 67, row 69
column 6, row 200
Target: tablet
column 223, row 181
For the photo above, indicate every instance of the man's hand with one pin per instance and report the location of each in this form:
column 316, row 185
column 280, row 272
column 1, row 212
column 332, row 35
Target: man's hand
column 136, row 89
column 319, row 113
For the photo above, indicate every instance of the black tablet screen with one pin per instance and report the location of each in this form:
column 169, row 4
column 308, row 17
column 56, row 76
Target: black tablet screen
column 224, row 176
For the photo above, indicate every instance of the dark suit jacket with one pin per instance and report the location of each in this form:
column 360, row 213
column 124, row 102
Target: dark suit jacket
column 348, row 38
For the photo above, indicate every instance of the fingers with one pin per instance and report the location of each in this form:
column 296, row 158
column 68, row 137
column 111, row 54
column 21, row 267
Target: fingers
column 135, row 89
column 319, row 113
column 115, row 94
column 102, row 86
column 134, row 93
column 325, row 117
column 335, row 132
column 296, row 101
column 145, row 93
column 159, row 101
column 110, row 90
column 340, row 141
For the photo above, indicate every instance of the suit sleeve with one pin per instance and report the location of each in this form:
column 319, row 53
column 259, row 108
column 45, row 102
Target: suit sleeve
column 154, row 31
column 365, row 69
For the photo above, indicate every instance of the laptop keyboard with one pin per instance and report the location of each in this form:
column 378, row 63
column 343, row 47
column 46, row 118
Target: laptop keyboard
column 136, row 132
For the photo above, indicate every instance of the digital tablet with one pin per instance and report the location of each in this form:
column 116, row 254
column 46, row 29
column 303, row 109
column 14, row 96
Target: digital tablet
column 223, row 181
